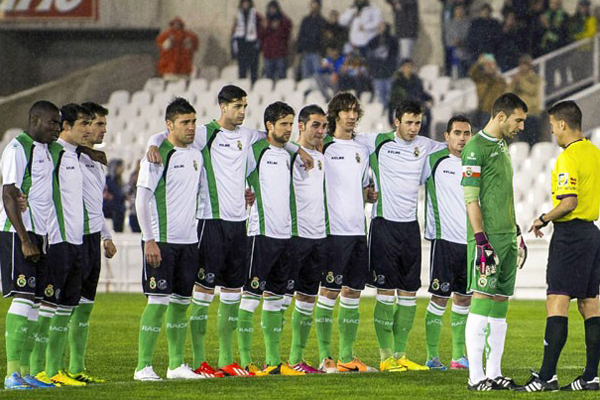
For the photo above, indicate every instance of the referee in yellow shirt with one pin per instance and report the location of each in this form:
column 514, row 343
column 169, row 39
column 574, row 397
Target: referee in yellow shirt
column 574, row 256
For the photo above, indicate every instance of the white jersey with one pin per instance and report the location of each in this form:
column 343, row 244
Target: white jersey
column 446, row 212
column 94, row 181
column 175, row 187
column 269, row 179
column 307, row 197
column 27, row 164
column 397, row 166
column 346, row 174
column 66, row 218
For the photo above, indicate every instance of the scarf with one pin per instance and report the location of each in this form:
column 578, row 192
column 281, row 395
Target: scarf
column 245, row 27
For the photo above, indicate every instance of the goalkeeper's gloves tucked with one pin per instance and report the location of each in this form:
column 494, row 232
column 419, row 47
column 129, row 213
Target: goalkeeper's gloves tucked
column 521, row 249
column 485, row 255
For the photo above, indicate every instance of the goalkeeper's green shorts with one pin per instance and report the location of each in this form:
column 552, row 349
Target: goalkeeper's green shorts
column 502, row 283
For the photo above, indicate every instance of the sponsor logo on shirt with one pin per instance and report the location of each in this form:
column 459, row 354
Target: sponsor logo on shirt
column 224, row 145
column 339, row 157
column 272, row 162
column 179, row 166
column 448, row 172
column 394, row 152
column 69, row 168
column 471, row 156
column 494, row 154
column 563, row 179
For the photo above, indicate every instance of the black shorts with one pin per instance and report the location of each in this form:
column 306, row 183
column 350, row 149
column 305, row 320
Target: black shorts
column 18, row 274
column 306, row 258
column 222, row 248
column 176, row 272
column 63, row 285
column 574, row 260
column 448, row 271
column 395, row 255
column 90, row 271
column 347, row 262
column 268, row 265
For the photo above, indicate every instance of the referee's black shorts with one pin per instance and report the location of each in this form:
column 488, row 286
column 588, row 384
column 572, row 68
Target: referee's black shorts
column 574, row 260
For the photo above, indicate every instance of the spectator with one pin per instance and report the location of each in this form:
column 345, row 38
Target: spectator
column 131, row 192
column 382, row 56
column 363, row 20
column 490, row 85
column 555, row 23
column 114, row 194
column 309, row 43
column 275, row 37
column 354, row 74
column 331, row 65
column 245, row 43
column 177, row 47
column 406, row 21
column 485, row 33
column 514, row 42
column 455, row 36
column 534, row 30
column 583, row 24
column 408, row 86
column 528, row 86
column 334, row 34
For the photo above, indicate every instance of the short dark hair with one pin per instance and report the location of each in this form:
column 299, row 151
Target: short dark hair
column 340, row 102
column 178, row 106
column 230, row 93
column 567, row 111
column 95, row 108
column 309, row 110
column 276, row 111
column 406, row 61
column 457, row 118
column 72, row 112
column 41, row 106
column 508, row 103
column 408, row 107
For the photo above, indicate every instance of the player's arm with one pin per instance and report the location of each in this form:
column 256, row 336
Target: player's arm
column 148, row 179
column 109, row 247
column 10, row 199
column 566, row 205
column 367, row 140
column 152, row 154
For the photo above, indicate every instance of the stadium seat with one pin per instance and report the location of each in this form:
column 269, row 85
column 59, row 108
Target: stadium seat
column 198, row 85
column 229, row 73
column 429, row 72
column 315, row 97
column 175, row 88
column 284, row 87
column 215, row 86
column 118, row 98
column 162, row 99
column 543, row 151
column 154, row 85
column 141, row 98
column 367, row 97
column 441, row 84
column 306, row 85
column 262, row 86
column 518, row 150
column 245, row 83
column 454, row 94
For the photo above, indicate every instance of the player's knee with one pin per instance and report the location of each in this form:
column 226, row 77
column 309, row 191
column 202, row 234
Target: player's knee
column 588, row 308
column 461, row 301
column 330, row 294
column 305, row 299
column 440, row 301
column 158, row 300
column 350, row 293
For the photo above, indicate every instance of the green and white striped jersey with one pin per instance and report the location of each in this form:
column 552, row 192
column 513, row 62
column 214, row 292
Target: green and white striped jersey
column 175, row 187
column 94, row 181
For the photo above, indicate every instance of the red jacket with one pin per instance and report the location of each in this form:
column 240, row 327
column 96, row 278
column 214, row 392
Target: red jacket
column 178, row 58
column 276, row 41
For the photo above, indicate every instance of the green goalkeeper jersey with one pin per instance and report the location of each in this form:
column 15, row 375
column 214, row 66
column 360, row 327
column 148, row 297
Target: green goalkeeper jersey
column 486, row 164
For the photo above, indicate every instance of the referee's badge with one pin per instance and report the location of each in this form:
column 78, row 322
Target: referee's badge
column 358, row 158
column 482, row 282
column 21, row 281
column 417, row 151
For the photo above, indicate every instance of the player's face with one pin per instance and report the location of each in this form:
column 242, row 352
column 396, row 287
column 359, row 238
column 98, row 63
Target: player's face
column 235, row 112
column 347, row 119
column 97, row 130
column 408, row 126
column 514, row 124
column 48, row 126
column 281, row 130
column 458, row 136
column 557, row 129
column 314, row 130
column 81, row 129
column 183, row 128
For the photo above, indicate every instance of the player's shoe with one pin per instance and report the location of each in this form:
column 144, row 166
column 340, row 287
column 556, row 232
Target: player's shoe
column 535, row 384
column 16, row 382
column 485, row 385
column 391, row 365
column 305, row 367
column 328, row 366
column 252, row 368
column 85, row 376
column 354, row 366
column 581, row 384
column 281, row 369
column 411, row 365
column 41, row 376
column 235, row 370
column 461, row 363
column 208, row 372
column 506, row 382
column 65, row 380
column 38, row 384
column 183, row 372
column 435, row 364
column 146, row 374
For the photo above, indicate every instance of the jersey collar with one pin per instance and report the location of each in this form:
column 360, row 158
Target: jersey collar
column 67, row 146
column 488, row 137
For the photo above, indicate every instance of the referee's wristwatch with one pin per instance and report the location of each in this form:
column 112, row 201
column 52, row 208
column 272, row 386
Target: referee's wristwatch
column 541, row 218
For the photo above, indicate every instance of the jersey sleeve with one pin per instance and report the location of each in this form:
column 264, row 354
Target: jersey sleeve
column 426, row 171
column 366, row 179
column 250, row 163
column 149, row 175
column 157, row 139
column 567, row 177
column 472, row 161
column 367, row 140
column 255, row 136
column 434, row 146
column 14, row 163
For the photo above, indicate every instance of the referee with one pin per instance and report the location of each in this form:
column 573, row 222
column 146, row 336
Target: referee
column 574, row 255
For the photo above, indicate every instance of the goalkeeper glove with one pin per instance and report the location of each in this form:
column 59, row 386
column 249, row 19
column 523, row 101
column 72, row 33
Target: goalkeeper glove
column 521, row 249
column 485, row 255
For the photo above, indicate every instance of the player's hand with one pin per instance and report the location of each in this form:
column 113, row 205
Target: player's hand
column 30, row 251
column 536, row 227
column 152, row 253
column 22, row 201
column 153, row 155
column 307, row 160
column 109, row 248
column 371, row 194
column 521, row 249
column 250, row 197
column 485, row 255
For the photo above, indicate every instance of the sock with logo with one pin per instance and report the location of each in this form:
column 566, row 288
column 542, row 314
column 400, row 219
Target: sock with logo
column 302, row 321
column 38, row 354
column 433, row 328
column 78, row 335
column 176, row 329
column 383, row 317
column 324, row 324
column 458, row 320
column 16, row 333
column 592, row 348
column 57, row 340
column 150, row 326
column 404, row 317
column 272, row 325
column 248, row 305
column 227, row 321
column 198, row 322
column 475, row 334
column 348, row 318
column 557, row 330
column 32, row 326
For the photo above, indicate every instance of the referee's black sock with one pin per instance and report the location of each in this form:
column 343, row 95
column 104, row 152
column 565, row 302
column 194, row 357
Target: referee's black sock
column 555, row 338
column 592, row 348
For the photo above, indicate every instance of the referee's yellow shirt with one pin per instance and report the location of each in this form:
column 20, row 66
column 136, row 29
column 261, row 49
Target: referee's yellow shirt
column 577, row 173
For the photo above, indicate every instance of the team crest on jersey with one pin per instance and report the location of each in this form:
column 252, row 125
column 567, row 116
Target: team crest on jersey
column 21, row 281
column 239, row 145
column 482, row 281
column 416, row 151
column 255, row 284
column 358, row 158
column 49, row 291
column 152, row 283
column 195, row 165
column 320, row 165
column 435, row 285
column 329, row 278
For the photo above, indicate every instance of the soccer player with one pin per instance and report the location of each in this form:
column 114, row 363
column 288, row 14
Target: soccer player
column 166, row 205
column 487, row 177
column 346, row 268
column 445, row 227
column 95, row 231
column 26, row 168
column 269, row 230
column 574, row 256
column 225, row 145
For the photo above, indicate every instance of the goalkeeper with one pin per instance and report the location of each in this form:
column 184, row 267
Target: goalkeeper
column 492, row 250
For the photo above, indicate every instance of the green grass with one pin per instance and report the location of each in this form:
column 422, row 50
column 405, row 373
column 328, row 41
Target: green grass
column 112, row 353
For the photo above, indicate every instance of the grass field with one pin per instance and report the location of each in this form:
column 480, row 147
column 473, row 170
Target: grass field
column 112, row 353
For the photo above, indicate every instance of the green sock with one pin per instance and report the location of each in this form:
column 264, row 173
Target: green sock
column 348, row 319
column 16, row 333
column 458, row 319
column 227, row 322
column 57, row 340
column 324, row 325
column 433, row 328
column 78, row 335
column 404, row 318
column 38, row 354
column 287, row 300
column 383, row 317
column 302, row 320
column 246, row 327
column 32, row 327
column 150, row 326
column 176, row 329
column 198, row 324
column 272, row 325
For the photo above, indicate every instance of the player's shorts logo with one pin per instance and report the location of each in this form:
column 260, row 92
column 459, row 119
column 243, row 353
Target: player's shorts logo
column 49, row 291
column 290, row 284
column 255, row 284
column 381, row 279
column 21, row 281
column 358, row 158
column 417, row 151
column 329, row 278
column 239, row 145
column 152, row 283
column 445, row 287
column 31, row 282
column 339, row 279
column 210, row 278
column 435, row 285
column 162, row 284
column 482, row 282
column 57, row 294
column 493, row 282
column 201, row 274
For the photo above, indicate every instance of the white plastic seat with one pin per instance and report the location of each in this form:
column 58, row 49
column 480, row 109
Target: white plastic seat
column 542, row 151
column 518, row 150
column 262, row 86
column 118, row 98
column 198, row 85
column 285, row 86
column 306, row 85
column 175, row 88
column 316, row 97
column 154, row 85
column 429, row 72
column 230, row 72
column 141, row 98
